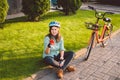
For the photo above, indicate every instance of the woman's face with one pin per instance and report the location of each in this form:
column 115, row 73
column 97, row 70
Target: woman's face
column 54, row 31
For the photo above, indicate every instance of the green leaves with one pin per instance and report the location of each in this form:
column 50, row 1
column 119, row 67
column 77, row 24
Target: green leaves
column 35, row 8
column 69, row 5
column 3, row 10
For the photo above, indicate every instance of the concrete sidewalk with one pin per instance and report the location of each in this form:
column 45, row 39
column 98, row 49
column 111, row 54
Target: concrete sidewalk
column 103, row 64
column 102, row 7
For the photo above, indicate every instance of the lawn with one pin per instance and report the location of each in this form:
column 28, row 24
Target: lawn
column 21, row 42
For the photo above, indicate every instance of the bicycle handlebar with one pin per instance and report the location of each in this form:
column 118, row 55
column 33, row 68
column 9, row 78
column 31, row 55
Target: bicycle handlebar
column 98, row 14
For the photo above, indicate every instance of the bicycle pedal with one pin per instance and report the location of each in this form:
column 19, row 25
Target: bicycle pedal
column 103, row 45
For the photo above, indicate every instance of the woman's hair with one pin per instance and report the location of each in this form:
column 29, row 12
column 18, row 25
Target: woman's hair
column 57, row 37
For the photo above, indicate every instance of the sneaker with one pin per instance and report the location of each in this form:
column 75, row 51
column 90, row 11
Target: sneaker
column 70, row 68
column 60, row 73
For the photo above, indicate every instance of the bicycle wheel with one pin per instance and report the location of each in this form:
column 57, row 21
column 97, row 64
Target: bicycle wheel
column 89, row 48
column 107, row 34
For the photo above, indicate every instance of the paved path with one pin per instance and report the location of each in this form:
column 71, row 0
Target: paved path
column 101, row 7
column 103, row 64
column 115, row 9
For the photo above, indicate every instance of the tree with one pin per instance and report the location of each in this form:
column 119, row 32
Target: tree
column 3, row 10
column 69, row 5
column 35, row 8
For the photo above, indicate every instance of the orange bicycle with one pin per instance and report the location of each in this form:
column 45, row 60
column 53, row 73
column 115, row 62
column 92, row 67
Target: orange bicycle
column 96, row 38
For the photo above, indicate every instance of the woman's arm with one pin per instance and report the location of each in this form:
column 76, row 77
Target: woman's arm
column 47, row 51
column 62, row 49
column 61, row 55
column 46, row 45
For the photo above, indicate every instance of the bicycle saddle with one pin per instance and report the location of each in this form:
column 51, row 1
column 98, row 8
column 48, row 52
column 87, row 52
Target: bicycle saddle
column 107, row 19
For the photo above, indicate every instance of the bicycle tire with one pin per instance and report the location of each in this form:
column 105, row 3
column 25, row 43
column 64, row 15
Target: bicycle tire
column 89, row 48
column 107, row 34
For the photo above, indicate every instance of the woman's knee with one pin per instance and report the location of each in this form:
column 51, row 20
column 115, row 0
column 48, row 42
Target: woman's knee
column 48, row 59
column 70, row 53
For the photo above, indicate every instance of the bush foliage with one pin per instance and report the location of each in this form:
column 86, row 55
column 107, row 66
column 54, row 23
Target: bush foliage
column 3, row 10
column 69, row 5
column 34, row 8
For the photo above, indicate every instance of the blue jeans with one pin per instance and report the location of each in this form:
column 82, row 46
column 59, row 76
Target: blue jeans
column 52, row 60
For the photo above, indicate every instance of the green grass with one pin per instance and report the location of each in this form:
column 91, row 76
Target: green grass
column 21, row 42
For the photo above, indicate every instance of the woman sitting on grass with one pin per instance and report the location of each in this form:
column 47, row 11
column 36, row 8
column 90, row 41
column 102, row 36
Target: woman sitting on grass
column 54, row 54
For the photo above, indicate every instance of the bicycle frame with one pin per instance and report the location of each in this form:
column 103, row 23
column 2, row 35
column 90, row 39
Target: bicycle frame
column 101, row 38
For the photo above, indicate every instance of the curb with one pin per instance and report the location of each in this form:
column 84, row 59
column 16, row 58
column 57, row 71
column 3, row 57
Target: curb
column 79, row 53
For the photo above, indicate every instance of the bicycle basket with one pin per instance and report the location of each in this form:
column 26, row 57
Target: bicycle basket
column 90, row 25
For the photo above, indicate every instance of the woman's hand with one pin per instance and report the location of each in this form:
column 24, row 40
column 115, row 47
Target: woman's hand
column 62, row 63
column 61, row 58
column 61, row 55
column 52, row 42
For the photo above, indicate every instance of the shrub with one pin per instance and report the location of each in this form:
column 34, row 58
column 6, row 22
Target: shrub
column 35, row 8
column 69, row 5
column 3, row 10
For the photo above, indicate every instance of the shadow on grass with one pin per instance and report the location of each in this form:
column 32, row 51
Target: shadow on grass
column 46, row 16
column 49, row 15
column 18, row 19
column 16, row 68
column 14, row 20
column 52, row 15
